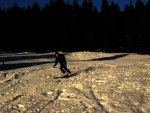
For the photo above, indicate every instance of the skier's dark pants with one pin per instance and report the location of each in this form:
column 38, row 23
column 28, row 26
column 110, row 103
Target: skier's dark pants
column 64, row 68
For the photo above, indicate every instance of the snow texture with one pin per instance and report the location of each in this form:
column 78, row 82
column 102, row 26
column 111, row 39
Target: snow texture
column 102, row 83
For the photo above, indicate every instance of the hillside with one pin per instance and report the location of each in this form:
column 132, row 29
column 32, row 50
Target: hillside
column 103, row 83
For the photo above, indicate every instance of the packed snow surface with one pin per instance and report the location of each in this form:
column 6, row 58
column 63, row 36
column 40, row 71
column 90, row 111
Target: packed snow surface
column 102, row 83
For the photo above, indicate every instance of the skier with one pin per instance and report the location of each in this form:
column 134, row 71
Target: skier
column 63, row 64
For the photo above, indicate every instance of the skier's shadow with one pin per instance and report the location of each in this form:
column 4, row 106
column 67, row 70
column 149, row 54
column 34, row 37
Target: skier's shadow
column 99, row 59
column 77, row 72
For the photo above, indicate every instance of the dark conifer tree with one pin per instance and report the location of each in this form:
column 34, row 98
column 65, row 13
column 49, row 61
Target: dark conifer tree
column 115, row 27
column 139, row 26
column 129, row 25
column 146, row 37
column 71, row 27
column 105, row 26
column 3, row 31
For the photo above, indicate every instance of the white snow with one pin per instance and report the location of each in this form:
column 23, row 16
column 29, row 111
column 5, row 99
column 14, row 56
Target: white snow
column 103, row 83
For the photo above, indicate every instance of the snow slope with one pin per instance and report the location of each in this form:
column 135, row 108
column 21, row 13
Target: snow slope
column 103, row 83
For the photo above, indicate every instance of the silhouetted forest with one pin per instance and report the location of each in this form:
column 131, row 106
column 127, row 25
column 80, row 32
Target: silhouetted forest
column 73, row 27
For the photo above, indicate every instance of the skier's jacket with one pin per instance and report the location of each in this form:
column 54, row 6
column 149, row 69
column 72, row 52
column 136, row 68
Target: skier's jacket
column 61, row 59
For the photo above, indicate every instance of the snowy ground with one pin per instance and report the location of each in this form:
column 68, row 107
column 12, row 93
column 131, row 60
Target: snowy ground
column 103, row 83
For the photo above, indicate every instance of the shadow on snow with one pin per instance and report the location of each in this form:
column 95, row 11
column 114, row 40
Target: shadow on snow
column 24, row 57
column 108, row 58
column 8, row 65
column 21, row 65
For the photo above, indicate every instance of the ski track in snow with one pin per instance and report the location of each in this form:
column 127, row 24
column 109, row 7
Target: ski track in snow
column 103, row 83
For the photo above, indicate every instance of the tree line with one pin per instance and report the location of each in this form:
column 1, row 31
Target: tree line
column 73, row 27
